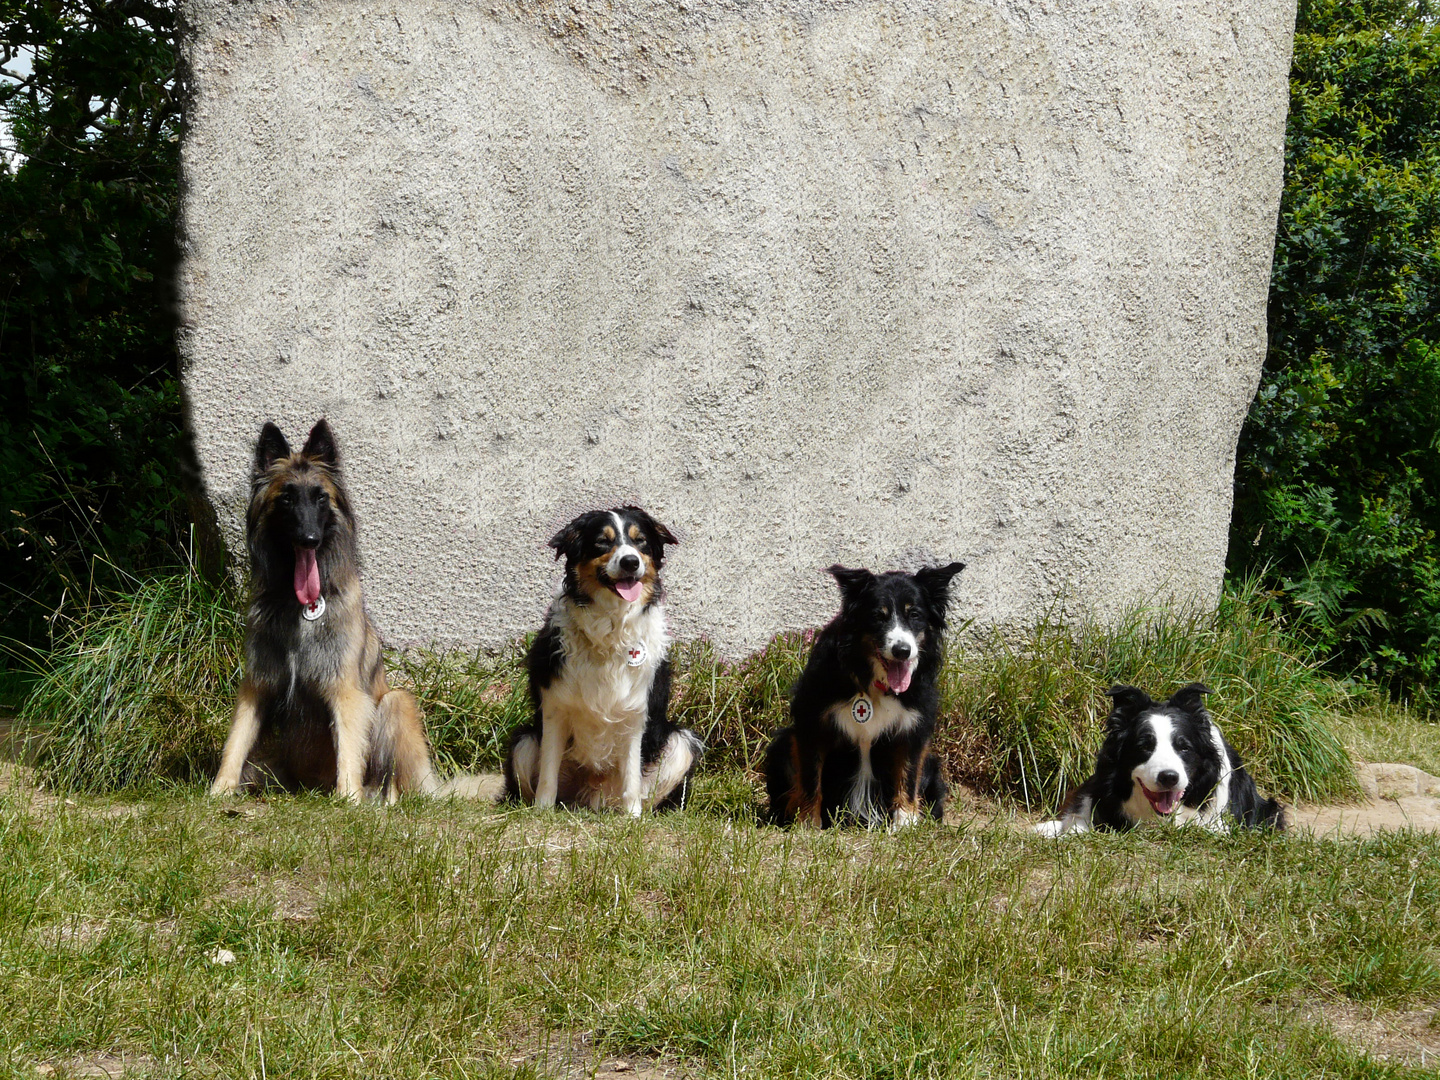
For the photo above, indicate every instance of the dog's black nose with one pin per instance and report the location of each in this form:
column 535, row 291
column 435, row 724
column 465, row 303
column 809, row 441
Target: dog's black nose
column 900, row 651
column 629, row 564
column 1168, row 778
column 310, row 540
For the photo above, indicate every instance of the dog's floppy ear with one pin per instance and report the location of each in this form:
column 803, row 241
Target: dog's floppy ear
column 321, row 444
column 852, row 582
column 1191, row 698
column 657, row 534
column 566, row 542
column 1126, row 701
column 934, row 581
column 270, row 448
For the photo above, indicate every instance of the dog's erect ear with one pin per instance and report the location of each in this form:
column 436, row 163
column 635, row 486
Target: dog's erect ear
column 934, row 581
column 658, row 535
column 1126, row 702
column 1191, row 698
column 852, row 582
column 270, row 448
column 321, row 444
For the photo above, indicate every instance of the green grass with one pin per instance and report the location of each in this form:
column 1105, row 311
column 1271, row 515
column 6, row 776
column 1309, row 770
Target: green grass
column 457, row 940
column 140, row 692
column 453, row 939
column 139, row 689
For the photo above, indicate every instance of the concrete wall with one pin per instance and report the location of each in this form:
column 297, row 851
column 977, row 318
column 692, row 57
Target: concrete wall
column 875, row 282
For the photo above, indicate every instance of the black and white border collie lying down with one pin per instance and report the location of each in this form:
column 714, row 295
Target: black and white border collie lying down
column 1164, row 758
column 600, row 679
column 863, row 711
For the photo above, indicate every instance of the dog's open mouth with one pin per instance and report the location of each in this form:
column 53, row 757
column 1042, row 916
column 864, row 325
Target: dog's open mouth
column 897, row 674
column 629, row 590
column 307, row 576
column 1163, row 801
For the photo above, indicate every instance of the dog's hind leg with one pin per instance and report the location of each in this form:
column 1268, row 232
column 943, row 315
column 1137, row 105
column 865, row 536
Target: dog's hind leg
column 933, row 789
column 521, row 763
column 670, row 780
column 400, row 750
column 792, row 781
column 244, row 729
column 352, row 721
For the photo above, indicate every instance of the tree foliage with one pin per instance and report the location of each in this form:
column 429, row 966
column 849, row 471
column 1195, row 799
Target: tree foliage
column 1338, row 480
column 90, row 411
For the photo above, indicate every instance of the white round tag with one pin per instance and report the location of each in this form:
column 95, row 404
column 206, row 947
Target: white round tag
column 311, row 612
column 862, row 710
column 635, row 654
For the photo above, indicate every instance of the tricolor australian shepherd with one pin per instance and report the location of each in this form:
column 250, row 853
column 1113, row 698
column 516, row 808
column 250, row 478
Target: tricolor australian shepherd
column 863, row 711
column 1161, row 759
column 600, row 679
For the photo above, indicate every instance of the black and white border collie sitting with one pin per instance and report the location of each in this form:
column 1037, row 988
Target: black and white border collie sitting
column 863, row 711
column 600, row 679
column 1161, row 759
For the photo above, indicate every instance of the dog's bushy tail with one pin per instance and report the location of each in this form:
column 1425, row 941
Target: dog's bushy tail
column 1252, row 809
column 482, row 787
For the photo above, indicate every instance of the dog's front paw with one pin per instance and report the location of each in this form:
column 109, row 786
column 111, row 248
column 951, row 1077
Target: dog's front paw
column 1055, row 829
column 224, row 787
column 903, row 818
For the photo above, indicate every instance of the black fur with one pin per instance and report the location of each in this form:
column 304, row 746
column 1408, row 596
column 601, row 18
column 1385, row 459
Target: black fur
column 811, row 765
column 1130, row 743
column 584, row 547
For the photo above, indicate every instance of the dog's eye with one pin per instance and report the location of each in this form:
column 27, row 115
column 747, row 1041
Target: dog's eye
column 884, row 612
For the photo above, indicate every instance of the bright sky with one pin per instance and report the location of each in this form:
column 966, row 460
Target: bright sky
column 17, row 68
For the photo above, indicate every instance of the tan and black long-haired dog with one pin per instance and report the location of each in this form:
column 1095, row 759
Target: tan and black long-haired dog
column 314, row 709
column 600, row 677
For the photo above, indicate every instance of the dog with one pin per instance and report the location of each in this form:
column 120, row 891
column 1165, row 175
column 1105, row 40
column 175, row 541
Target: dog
column 1164, row 760
column 314, row 709
column 600, row 678
column 863, row 711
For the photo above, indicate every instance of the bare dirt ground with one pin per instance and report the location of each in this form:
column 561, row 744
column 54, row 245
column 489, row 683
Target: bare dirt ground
column 1396, row 797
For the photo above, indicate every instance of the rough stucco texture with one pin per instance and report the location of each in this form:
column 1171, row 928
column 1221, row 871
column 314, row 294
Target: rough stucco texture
column 876, row 283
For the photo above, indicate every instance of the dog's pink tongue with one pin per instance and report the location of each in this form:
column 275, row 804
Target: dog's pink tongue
column 630, row 590
column 307, row 576
column 1165, row 801
column 897, row 675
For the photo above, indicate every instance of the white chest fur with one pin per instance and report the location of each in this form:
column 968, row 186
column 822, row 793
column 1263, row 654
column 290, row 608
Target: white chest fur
column 602, row 699
column 889, row 716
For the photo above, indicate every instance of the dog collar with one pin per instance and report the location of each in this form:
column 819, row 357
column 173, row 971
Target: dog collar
column 311, row 612
column 880, row 686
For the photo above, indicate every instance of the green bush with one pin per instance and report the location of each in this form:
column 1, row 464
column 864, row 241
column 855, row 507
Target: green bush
column 92, row 446
column 1337, row 488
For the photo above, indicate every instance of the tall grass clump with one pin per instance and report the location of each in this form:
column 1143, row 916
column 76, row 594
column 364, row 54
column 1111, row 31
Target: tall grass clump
column 471, row 702
column 139, row 688
column 1023, row 714
column 735, row 706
